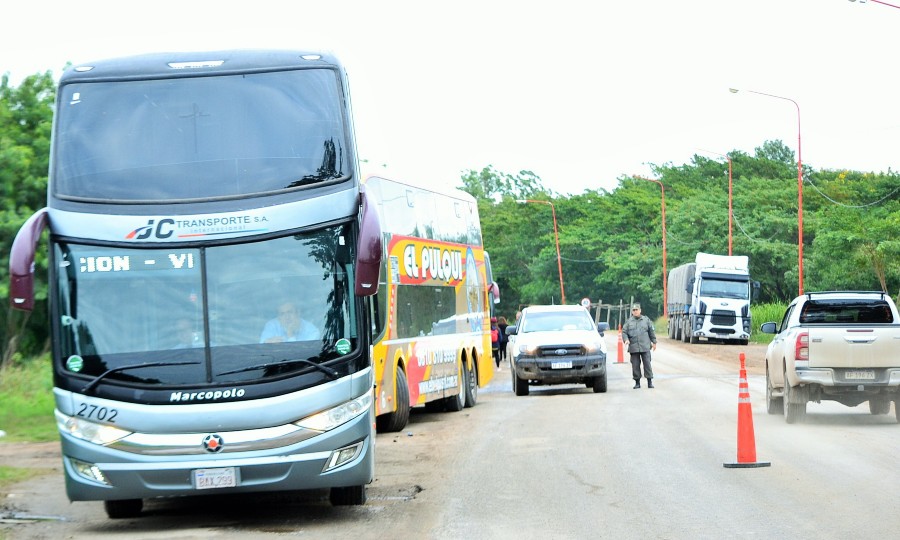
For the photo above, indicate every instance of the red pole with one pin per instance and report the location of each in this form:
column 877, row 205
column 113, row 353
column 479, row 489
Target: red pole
column 562, row 289
column 730, row 211
column 799, row 184
column 665, row 286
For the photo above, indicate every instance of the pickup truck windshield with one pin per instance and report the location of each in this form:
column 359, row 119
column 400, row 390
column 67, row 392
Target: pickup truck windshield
column 846, row 311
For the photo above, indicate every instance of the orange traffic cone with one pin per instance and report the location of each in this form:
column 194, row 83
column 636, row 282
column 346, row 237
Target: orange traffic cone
column 746, row 450
column 621, row 360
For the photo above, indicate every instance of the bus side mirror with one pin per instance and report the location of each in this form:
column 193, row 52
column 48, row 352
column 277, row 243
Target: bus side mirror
column 369, row 247
column 495, row 292
column 21, row 261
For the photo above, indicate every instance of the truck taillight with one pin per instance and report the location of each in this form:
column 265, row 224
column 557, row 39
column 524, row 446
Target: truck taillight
column 801, row 347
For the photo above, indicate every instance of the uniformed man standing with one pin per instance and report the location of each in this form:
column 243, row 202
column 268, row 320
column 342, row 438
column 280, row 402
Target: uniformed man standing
column 639, row 336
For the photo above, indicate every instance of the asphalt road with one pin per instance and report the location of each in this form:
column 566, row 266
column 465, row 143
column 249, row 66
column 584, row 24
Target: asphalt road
column 563, row 462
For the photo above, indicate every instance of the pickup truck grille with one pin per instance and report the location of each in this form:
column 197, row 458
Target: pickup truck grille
column 723, row 317
column 557, row 351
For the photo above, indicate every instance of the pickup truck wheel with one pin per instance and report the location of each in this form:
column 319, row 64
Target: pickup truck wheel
column 600, row 384
column 879, row 405
column 774, row 404
column 520, row 385
column 897, row 409
column 794, row 403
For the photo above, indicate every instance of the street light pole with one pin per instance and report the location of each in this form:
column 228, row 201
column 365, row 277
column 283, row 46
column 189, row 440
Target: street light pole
column 878, row 2
column 730, row 210
column 664, row 273
column 799, row 186
column 562, row 289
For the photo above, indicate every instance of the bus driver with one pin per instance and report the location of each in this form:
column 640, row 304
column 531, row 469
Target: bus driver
column 288, row 326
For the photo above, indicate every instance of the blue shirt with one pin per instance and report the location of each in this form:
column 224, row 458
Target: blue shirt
column 273, row 328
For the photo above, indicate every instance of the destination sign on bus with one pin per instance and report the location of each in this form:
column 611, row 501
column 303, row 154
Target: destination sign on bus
column 104, row 264
column 420, row 261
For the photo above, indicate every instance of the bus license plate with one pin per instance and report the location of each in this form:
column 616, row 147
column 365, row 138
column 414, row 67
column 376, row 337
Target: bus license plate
column 215, row 478
column 561, row 365
column 860, row 374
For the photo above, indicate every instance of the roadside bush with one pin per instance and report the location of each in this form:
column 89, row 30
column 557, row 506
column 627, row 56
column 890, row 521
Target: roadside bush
column 765, row 313
column 26, row 401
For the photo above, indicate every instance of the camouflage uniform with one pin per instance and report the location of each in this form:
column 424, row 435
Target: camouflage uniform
column 641, row 336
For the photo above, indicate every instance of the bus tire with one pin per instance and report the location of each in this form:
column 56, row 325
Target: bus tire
column 347, row 496
column 472, row 386
column 124, row 508
column 458, row 402
column 396, row 420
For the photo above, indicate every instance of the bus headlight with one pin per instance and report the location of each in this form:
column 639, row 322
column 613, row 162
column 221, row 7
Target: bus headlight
column 336, row 416
column 86, row 430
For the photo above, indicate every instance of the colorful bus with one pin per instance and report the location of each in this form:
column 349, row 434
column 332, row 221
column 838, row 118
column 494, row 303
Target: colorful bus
column 437, row 291
column 214, row 260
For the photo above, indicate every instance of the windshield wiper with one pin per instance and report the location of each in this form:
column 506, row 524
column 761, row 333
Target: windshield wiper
column 324, row 369
column 103, row 375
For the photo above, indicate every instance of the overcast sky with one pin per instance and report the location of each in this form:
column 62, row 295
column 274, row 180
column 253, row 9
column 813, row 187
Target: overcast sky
column 578, row 92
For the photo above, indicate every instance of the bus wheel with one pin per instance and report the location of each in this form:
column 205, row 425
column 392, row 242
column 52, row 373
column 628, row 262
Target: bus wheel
column 347, row 496
column 397, row 420
column 457, row 402
column 471, row 386
column 125, row 508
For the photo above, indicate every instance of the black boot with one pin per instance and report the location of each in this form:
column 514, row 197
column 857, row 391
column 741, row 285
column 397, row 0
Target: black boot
column 637, row 384
column 649, row 383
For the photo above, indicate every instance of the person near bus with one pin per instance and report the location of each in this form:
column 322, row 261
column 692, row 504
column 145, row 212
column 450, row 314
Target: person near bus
column 639, row 336
column 501, row 326
column 288, row 326
column 495, row 341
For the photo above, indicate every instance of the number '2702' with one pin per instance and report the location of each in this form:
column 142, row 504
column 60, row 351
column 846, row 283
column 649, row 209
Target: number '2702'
column 94, row 412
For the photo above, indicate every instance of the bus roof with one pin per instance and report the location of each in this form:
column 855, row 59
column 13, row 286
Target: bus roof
column 188, row 64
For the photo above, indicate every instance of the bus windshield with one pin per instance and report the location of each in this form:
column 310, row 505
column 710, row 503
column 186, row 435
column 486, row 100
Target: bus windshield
column 190, row 138
column 206, row 314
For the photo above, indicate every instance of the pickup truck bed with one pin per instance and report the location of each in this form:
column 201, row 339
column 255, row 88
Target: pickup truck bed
column 838, row 346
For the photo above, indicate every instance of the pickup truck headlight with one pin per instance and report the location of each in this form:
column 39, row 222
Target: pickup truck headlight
column 594, row 348
column 528, row 349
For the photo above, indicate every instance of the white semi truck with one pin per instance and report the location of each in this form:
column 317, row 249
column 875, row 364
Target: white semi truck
column 710, row 298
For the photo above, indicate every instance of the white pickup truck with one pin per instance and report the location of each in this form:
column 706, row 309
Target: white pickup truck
column 838, row 346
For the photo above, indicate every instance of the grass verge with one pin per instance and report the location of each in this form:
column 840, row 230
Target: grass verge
column 26, row 401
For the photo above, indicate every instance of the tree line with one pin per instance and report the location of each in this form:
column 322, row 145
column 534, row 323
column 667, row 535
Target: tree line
column 610, row 242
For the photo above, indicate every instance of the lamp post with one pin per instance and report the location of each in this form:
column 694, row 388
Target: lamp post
column 730, row 211
column 799, row 186
column 664, row 273
column 877, row 2
column 562, row 289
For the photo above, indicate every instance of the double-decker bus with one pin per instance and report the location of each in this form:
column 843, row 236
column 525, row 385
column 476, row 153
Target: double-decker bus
column 213, row 259
column 436, row 292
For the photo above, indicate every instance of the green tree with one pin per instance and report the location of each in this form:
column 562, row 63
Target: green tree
column 26, row 114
